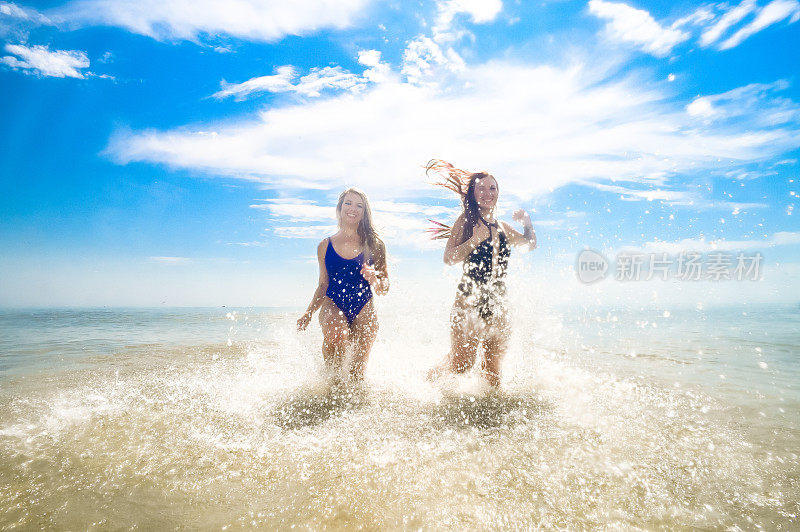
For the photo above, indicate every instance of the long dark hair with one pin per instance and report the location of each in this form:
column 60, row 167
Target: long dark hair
column 373, row 247
column 462, row 183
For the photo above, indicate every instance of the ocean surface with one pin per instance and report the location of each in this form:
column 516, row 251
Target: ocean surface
column 223, row 418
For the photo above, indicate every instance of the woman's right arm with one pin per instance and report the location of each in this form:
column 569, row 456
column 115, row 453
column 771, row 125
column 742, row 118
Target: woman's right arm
column 319, row 293
column 455, row 252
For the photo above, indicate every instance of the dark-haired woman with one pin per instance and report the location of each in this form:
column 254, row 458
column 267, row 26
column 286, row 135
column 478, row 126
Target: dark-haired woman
column 352, row 263
column 479, row 318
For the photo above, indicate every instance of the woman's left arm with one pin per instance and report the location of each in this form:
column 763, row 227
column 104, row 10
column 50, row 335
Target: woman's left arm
column 515, row 238
column 382, row 286
column 378, row 277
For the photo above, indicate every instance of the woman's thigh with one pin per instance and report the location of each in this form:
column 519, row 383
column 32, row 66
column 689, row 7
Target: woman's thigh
column 496, row 337
column 365, row 326
column 465, row 336
column 332, row 321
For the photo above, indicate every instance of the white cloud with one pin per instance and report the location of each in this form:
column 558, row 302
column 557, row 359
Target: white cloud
column 22, row 13
column 378, row 71
column 16, row 22
column 279, row 82
column 701, row 16
column 636, row 26
column 258, row 20
column 401, row 223
column 40, row 60
column 754, row 102
column 310, row 85
column 731, row 17
column 328, row 78
column 631, row 194
column 432, row 57
column 534, row 127
column 425, row 60
column 479, row 11
column 676, row 197
column 313, row 84
column 370, row 58
column 169, row 260
column 700, row 245
column 297, row 211
column 316, row 232
column 772, row 13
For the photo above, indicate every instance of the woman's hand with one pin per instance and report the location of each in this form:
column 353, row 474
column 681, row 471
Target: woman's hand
column 522, row 217
column 370, row 274
column 528, row 238
column 480, row 233
column 303, row 322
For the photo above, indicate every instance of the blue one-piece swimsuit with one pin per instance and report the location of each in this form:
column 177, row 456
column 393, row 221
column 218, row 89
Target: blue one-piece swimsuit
column 347, row 288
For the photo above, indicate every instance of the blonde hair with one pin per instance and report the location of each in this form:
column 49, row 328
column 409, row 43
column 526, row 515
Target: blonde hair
column 373, row 246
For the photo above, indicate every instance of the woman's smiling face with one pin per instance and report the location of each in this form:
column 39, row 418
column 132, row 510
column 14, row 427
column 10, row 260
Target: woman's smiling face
column 486, row 192
column 352, row 211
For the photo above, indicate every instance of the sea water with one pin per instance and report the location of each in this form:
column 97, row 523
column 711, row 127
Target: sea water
column 224, row 418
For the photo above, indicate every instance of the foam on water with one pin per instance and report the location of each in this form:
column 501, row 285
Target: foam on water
column 253, row 434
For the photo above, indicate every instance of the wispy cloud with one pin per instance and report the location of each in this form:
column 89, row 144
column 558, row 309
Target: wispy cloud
column 731, row 17
column 685, row 198
column 16, row 22
column 424, row 59
column 14, row 11
column 536, row 127
column 169, row 260
column 638, row 27
column 400, row 222
column 632, row 194
column 701, row 245
column 479, row 12
column 758, row 103
column 42, row 61
column 772, row 13
column 316, row 232
column 312, row 84
column 295, row 210
column 258, row 20
column 432, row 57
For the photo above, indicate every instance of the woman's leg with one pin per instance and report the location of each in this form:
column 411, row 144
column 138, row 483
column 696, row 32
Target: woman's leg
column 335, row 331
column 365, row 329
column 495, row 345
column 464, row 339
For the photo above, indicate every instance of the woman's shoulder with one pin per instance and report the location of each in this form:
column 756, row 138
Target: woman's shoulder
column 323, row 245
column 460, row 221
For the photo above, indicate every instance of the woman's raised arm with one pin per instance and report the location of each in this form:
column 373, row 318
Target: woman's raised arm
column 515, row 238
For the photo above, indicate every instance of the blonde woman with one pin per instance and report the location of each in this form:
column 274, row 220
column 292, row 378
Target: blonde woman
column 482, row 243
column 352, row 263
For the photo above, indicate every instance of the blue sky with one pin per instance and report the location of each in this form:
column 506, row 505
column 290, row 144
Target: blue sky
column 190, row 153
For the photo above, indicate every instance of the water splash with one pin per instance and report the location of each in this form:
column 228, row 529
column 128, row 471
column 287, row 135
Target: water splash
column 256, row 435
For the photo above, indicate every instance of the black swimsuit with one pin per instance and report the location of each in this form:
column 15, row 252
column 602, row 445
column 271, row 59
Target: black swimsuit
column 482, row 289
